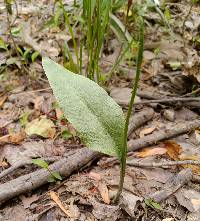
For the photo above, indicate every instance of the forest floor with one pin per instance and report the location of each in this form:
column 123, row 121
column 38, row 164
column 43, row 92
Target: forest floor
column 162, row 180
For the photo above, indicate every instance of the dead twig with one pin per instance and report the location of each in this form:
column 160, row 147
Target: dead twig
column 166, row 100
column 33, row 91
column 149, row 140
column 136, row 121
column 35, row 179
column 192, row 93
column 163, row 164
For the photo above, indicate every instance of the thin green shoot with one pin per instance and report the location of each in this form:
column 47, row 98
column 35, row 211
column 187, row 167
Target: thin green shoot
column 67, row 22
column 135, row 86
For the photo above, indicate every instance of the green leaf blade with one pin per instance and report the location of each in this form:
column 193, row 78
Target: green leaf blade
column 97, row 117
column 40, row 162
column 56, row 175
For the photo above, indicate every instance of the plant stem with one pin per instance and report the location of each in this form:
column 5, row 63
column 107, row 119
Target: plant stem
column 67, row 22
column 135, row 85
column 24, row 70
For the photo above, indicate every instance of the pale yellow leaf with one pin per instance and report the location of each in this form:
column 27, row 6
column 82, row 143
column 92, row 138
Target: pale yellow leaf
column 42, row 127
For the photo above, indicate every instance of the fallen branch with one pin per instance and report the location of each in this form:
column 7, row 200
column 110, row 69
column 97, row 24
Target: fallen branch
column 32, row 92
column 192, row 93
column 19, row 164
column 163, row 164
column 139, row 119
column 175, row 130
column 173, row 184
column 35, row 179
column 152, row 97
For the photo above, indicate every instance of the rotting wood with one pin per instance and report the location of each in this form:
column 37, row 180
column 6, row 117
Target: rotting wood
column 172, row 185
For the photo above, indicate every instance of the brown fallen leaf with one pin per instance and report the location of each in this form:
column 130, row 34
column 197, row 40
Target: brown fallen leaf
column 129, row 202
column 4, row 139
column 173, row 149
column 146, row 131
column 4, row 164
column 101, row 186
column 59, row 114
column 122, row 95
column 196, row 136
column 38, row 102
column 2, row 100
column 146, row 152
column 195, row 168
column 56, row 199
column 95, row 176
column 103, row 190
column 15, row 138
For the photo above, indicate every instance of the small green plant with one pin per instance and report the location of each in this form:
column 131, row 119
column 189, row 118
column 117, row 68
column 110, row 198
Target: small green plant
column 24, row 119
column 92, row 18
column 154, row 205
column 55, row 176
column 3, row 45
column 98, row 119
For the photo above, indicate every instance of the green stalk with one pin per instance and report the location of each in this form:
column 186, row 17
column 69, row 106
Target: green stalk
column 130, row 107
column 89, row 36
column 67, row 22
column 102, row 23
column 98, row 26
column 81, row 56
